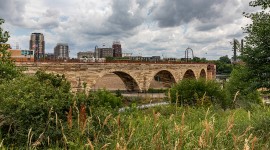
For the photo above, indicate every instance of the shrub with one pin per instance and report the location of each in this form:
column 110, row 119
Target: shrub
column 239, row 89
column 197, row 92
column 100, row 98
column 29, row 103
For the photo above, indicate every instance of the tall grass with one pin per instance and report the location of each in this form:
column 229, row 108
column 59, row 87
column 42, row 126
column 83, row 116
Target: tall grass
column 162, row 128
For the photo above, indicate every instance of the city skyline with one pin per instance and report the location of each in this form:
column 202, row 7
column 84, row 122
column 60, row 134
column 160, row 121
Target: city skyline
column 150, row 27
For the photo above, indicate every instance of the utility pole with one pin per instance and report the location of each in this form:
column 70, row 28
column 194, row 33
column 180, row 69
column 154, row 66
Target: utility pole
column 234, row 50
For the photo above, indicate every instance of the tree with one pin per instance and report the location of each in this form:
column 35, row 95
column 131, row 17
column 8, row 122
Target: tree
column 225, row 59
column 224, row 65
column 8, row 69
column 238, row 89
column 198, row 59
column 256, row 52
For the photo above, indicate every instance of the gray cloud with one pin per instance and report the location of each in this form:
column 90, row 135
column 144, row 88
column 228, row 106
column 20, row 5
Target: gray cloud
column 207, row 26
column 12, row 10
column 124, row 17
column 49, row 19
column 176, row 12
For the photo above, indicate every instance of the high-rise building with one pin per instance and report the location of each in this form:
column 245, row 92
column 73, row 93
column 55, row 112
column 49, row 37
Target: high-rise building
column 61, row 51
column 37, row 44
column 103, row 52
column 117, row 50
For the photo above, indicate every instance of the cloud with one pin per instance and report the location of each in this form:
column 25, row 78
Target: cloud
column 12, row 10
column 127, row 15
column 49, row 19
column 177, row 12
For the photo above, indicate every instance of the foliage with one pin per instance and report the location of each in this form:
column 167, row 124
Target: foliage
column 223, row 65
column 100, row 98
column 8, row 70
column 57, row 81
column 256, row 50
column 197, row 92
column 27, row 102
column 152, row 90
column 118, row 93
column 181, row 128
column 3, row 34
column 238, row 89
column 197, row 59
column 225, row 59
column 109, row 58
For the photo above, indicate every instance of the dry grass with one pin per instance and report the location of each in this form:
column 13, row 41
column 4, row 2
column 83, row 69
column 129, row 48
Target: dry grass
column 193, row 128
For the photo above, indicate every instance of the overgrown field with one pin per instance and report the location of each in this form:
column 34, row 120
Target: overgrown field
column 165, row 127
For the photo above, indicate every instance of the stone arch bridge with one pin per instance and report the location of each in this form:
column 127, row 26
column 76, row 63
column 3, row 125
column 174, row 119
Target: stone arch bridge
column 136, row 76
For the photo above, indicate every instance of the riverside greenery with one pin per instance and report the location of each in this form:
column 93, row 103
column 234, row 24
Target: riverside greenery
column 166, row 127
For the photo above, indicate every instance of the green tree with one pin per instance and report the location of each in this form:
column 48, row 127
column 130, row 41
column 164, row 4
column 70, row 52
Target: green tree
column 224, row 65
column 256, row 52
column 198, row 59
column 7, row 67
column 238, row 89
column 225, row 59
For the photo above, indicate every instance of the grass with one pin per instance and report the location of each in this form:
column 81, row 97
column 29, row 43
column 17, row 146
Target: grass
column 165, row 127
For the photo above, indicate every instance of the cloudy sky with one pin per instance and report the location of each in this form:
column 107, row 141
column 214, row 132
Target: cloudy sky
column 144, row 27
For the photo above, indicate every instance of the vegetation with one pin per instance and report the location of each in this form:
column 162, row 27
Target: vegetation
column 194, row 92
column 224, row 65
column 26, row 104
column 152, row 90
column 256, row 50
column 7, row 68
column 238, row 90
column 166, row 127
column 199, row 60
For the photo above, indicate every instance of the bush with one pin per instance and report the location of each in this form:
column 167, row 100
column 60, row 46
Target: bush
column 197, row 92
column 100, row 98
column 29, row 103
column 239, row 89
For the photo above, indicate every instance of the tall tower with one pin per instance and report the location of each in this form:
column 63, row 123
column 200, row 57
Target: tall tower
column 37, row 44
column 117, row 50
column 61, row 51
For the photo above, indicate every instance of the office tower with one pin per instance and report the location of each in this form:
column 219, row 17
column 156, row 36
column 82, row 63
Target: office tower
column 37, row 44
column 61, row 51
column 117, row 50
column 103, row 52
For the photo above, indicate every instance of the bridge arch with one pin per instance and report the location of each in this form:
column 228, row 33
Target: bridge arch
column 203, row 74
column 131, row 84
column 189, row 74
column 161, row 79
